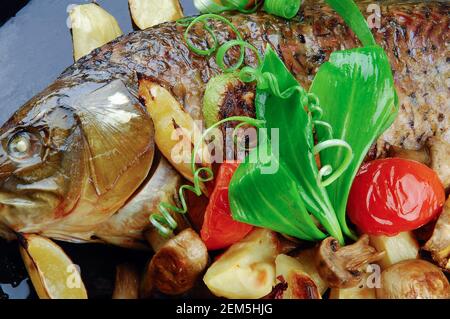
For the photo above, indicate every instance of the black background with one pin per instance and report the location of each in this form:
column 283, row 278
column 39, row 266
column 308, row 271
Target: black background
column 9, row 8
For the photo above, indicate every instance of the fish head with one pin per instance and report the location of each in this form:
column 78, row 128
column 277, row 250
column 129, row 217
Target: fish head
column 70, row 157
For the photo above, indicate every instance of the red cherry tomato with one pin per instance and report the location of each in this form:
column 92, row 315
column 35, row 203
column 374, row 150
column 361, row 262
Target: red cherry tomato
column 394, row 195
column 219, row 229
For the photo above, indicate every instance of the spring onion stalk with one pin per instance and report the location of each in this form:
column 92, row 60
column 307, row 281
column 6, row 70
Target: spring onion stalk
column 284, row 104
column 203, row 19
column 351, row 79
column 282, row 8
column 217, row 6
column 209, row 6
column 360, row 85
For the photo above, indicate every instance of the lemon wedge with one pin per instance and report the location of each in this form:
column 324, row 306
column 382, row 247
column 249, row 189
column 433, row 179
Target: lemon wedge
column 53, row 274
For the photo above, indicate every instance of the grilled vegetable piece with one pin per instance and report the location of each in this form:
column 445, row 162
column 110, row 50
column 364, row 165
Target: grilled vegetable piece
column 361, row 291
column 413, row 279
column 397, row 248
column 53, row 274
column 175, row 268
column 172, row 123
column 225, row 96
column 219, row 229
column 147, row 13
column 215, row 93
column 307, row 259
column 299, row 284
column 342, row 267
column 247, row 269
column 127, row 282
column 394, row 195
column 92, row 27
column 439, row 243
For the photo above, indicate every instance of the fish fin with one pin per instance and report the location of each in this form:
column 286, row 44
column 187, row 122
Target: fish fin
column 118, row 132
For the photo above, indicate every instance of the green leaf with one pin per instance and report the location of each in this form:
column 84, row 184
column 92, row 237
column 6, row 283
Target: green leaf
column 295, row 189
column 349, row 11
column 357, row 94
column 271, row 200
column 296, row 140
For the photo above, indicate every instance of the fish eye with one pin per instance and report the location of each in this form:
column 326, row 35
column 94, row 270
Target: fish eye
column 23, row 145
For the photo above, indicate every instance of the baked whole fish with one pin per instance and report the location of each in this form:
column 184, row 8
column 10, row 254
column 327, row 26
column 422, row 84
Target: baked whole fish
column 78, row 161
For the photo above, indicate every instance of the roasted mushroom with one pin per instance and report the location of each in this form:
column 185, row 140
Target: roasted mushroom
column 342, row 267
column 175, row 268
column 439, row 243
column 413, row 279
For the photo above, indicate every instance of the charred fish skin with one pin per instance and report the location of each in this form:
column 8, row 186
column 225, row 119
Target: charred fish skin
column 414, row 34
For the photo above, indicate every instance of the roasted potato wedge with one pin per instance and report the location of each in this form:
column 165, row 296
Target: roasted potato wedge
column 247, row 269
column 299, row 285
column 397, row 248
column 92, row 27
column 176, row 133
column 307, row 259
column 148, row 13
column 362, row 291
column 53, row 274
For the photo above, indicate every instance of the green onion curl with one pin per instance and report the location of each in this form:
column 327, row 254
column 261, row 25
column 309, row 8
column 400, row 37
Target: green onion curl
column 163, row 221
column 212, row 6
column 282, row 8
